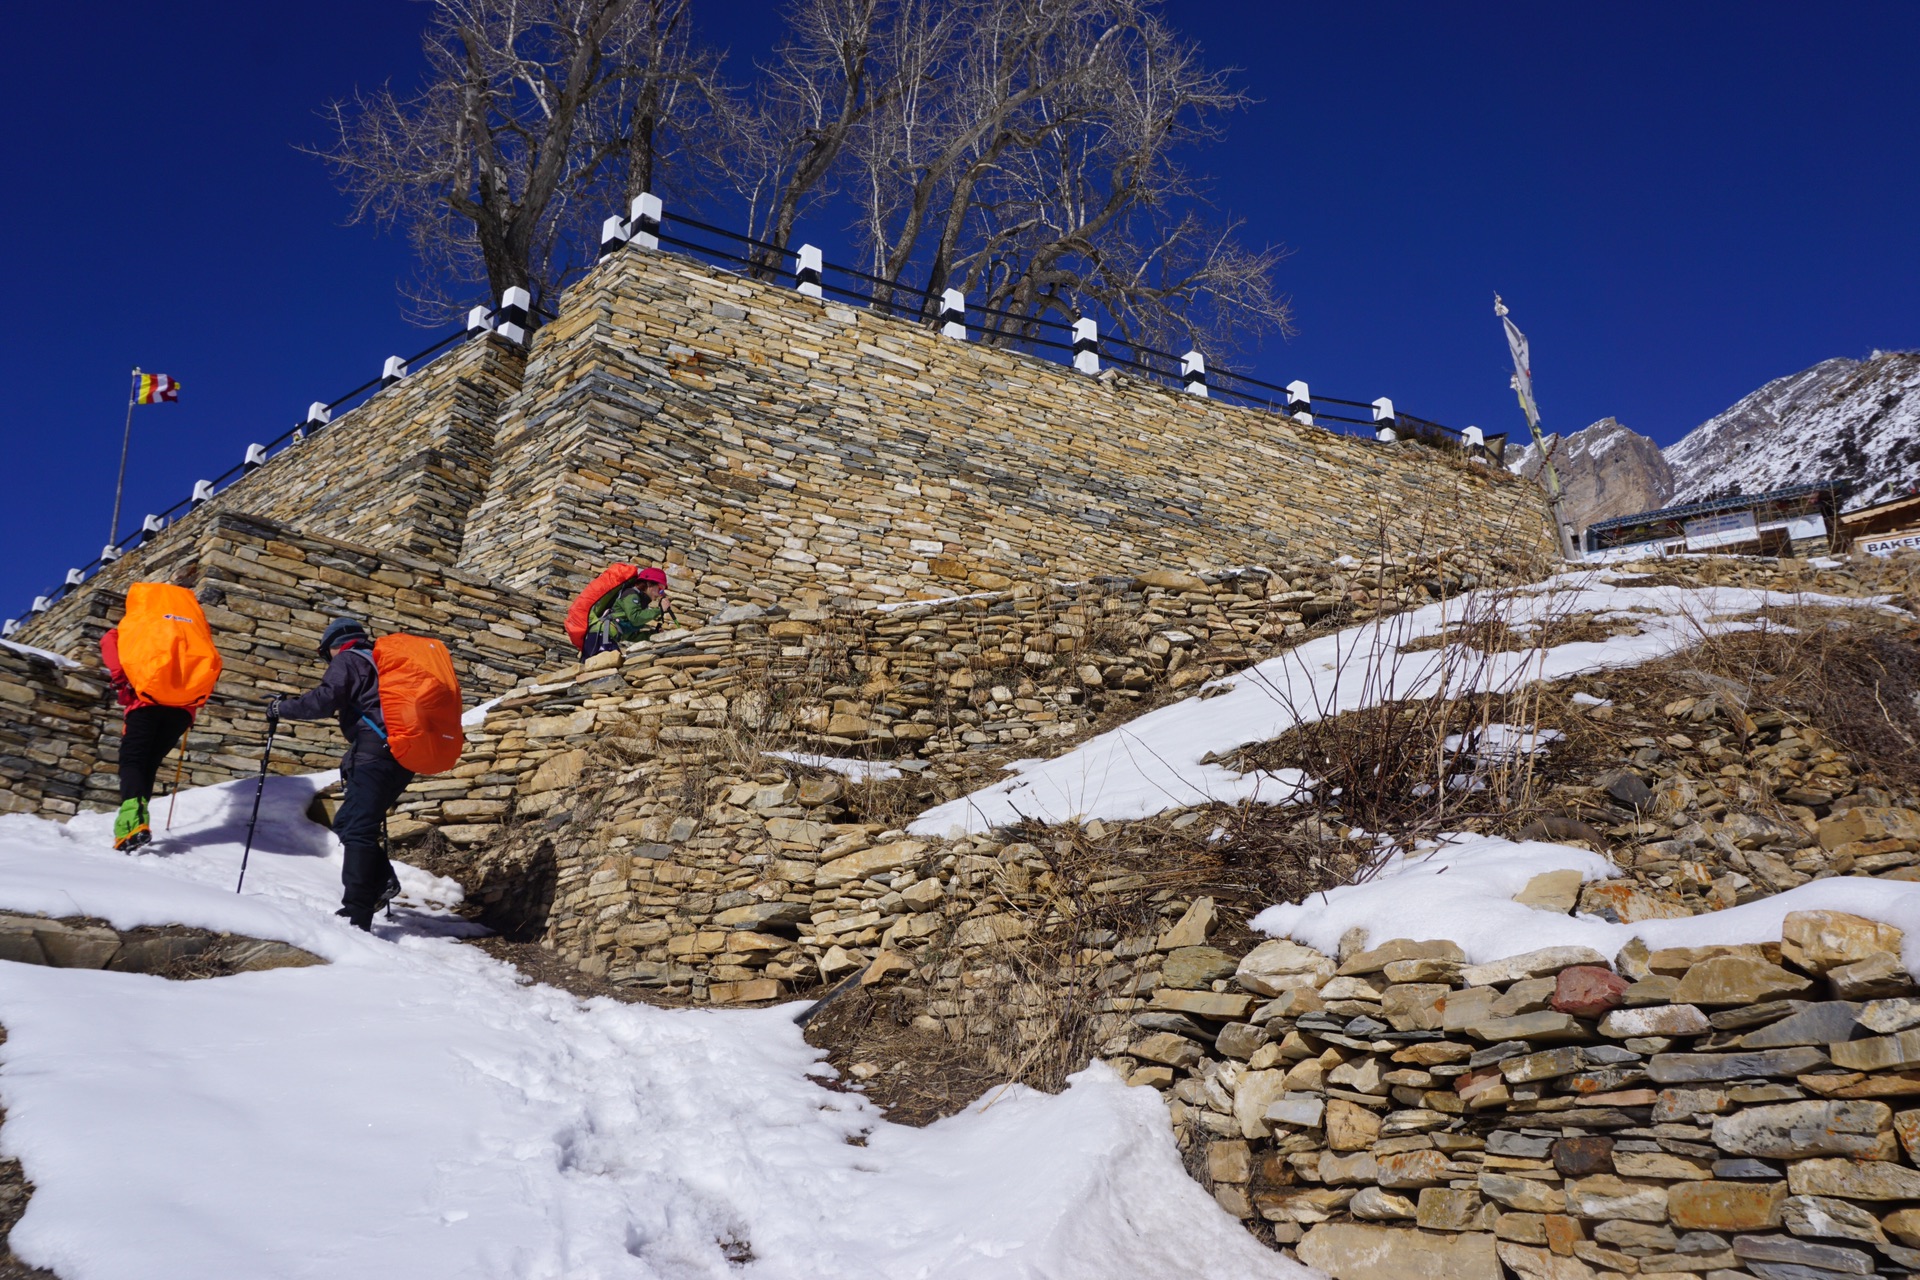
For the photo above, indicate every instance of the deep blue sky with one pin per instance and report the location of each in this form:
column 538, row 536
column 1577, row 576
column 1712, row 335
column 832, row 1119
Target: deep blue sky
column 1679, row 201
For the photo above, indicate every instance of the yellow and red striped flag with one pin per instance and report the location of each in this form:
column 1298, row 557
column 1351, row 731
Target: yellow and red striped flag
column 156, row 388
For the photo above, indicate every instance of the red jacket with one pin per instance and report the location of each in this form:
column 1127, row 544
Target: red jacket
column 129, row 697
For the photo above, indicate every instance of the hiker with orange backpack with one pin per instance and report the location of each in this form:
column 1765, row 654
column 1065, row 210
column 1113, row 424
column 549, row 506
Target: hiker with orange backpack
column 398, row 704
column 164, row 665
column 624, row 604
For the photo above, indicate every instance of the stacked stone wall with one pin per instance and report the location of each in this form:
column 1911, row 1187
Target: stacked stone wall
column 1722, row 1111
column 765, row 444
column 401, row 471
column 49, row 733
column 632, row 792
column 268, row 592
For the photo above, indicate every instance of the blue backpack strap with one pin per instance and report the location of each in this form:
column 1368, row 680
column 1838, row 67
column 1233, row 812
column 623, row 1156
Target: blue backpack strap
column 378, row 726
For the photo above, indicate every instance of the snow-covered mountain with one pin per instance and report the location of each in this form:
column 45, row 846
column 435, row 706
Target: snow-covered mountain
column 1842, row 419
column 1605, row 470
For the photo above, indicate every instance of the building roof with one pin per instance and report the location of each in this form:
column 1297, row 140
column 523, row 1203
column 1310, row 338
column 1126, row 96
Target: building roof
column 1713, row 506
column 1905, row 504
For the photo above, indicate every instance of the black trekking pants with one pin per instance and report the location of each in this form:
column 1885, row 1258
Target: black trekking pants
column 151, row 732
column 374, row 782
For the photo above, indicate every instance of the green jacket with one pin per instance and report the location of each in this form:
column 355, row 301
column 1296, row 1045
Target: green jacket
column 627, row 612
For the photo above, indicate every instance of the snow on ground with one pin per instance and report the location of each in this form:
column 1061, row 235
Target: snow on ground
column 857, row 770
column 1153, row 763
column 1462, row 889
column 414, row 1108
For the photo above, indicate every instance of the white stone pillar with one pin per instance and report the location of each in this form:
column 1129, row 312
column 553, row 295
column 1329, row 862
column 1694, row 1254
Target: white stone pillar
column 806, row 277
column 511, row 319
column 953, row 315
column 1300, row 402
column 392, row 371
column 202, row 492
column 256, row 457
column 643, row 220
column 1086, row 345
column 1384, row 421
column 1193, row 373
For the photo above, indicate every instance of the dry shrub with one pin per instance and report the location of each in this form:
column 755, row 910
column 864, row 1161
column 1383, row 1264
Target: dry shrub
column 1033, row 1017
column 1853, row 672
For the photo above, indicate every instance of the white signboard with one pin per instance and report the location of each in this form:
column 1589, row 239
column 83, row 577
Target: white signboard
column 1720, row 531
column 1891, row 543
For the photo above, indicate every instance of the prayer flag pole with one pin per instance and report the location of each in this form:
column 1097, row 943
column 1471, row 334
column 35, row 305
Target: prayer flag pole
column 1523, row 387
column 133, row 392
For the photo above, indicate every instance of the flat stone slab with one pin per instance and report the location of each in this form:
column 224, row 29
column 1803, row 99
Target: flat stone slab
column 1684, row 1068
column 1358, row 1251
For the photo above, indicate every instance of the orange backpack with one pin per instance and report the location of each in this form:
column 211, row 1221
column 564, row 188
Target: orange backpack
column 166, row 647
column 420, row 702
column 612, row 579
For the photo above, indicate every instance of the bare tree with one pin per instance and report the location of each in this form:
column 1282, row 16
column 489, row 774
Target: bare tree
column 536, row 117
column 1027, row 150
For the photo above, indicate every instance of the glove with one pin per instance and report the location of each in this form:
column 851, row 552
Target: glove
column 273, row 706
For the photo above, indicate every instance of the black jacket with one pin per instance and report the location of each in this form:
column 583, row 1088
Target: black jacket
column 351, row 691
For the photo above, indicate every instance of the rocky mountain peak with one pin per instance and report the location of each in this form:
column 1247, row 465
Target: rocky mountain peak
column 1606, row 470
column 1857, row 420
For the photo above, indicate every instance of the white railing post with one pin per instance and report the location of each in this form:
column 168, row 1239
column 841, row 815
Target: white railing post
column 40, row 605
column 12, row 625
column 511, row 318
column 1384, row 421
column 109, row 553
column 479, row 318
column 1193, row 373
column 1300, row 402
column 1086, row 345
column 953, row 315
column 202, row 492
column 643, row 220
column 806, row 276
column 392, row 371
column 318, row 416
column 256, row 457
column 75, row 577
column 151, row 526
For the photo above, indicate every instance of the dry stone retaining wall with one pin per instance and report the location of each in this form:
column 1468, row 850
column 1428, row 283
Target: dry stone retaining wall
column 268, row 592
column 49, row 733
column 765, row 444
column 630, row 796
column 1722, row 1111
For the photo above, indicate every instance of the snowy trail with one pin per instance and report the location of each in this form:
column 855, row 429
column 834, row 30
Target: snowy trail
column 413, row 1108
column 1153, row 763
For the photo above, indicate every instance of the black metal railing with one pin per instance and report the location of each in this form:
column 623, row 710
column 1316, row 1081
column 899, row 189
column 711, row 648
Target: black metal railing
column 1037, row 334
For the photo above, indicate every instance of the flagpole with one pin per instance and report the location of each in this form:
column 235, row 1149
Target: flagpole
column 1522, row 383
column 125, row 437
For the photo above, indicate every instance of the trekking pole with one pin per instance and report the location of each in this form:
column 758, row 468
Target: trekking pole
column 273, row 724
column 179, row 764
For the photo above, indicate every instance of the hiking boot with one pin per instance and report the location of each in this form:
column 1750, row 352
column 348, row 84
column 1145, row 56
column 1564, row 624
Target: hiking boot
column 388, row 894
column 363, row 923
column 130, row 827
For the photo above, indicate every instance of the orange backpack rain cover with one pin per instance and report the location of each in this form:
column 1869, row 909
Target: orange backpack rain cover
column 420, row 701
column 612, row 579
column 166, row 647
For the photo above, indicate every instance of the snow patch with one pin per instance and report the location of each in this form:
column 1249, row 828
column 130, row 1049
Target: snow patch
column 858, row 770
column 415, row 1108
column 1168, row 758
column 1462, row 889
